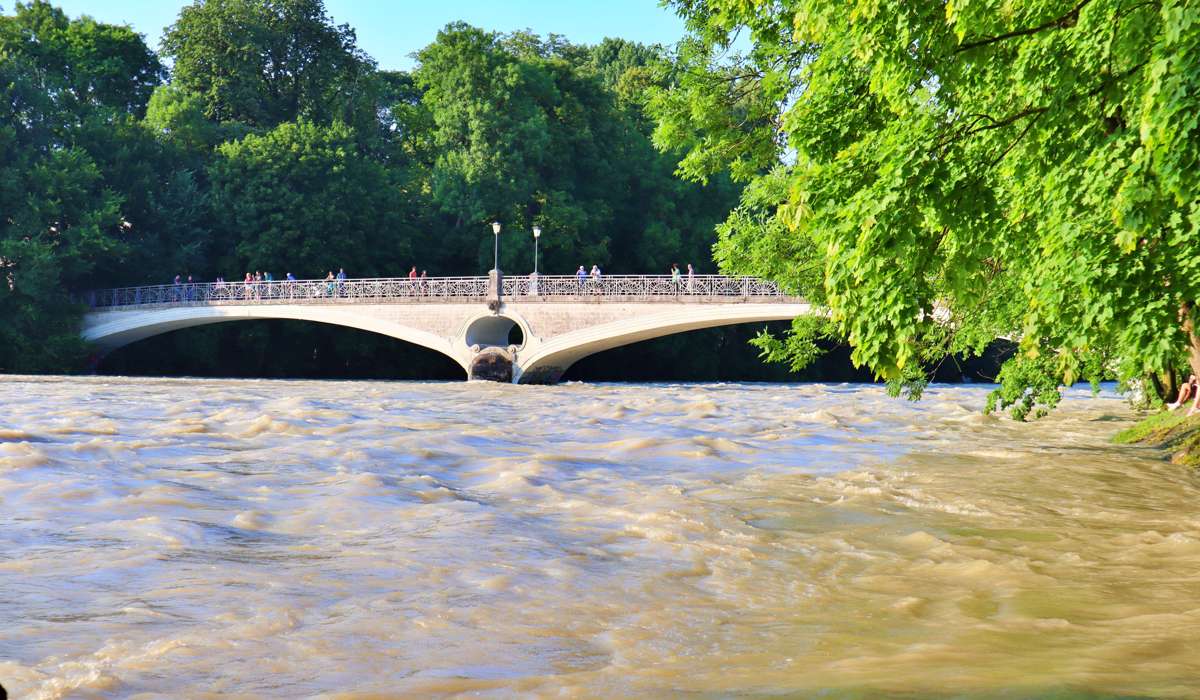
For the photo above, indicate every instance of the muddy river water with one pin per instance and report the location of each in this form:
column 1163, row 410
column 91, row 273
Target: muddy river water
column 198, row 538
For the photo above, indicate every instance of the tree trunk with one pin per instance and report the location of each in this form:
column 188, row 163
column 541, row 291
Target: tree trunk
column 1160, row 389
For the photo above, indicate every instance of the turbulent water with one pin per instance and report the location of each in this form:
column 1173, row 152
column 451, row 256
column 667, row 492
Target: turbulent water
column 184, row 538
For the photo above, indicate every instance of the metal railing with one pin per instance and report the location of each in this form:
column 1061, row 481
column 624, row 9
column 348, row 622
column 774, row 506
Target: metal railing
column 440, row 289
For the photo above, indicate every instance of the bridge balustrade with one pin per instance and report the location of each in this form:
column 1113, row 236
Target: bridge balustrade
column 440, row 289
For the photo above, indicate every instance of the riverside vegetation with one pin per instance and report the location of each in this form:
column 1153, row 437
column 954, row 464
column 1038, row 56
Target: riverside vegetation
column 944, row 174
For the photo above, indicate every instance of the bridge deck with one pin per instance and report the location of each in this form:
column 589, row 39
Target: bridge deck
column 563, row 288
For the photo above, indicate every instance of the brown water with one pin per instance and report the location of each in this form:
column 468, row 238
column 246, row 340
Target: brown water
column 181, row 538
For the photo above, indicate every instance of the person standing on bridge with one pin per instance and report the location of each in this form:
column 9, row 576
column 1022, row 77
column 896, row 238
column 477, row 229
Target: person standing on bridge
column 341, row 282
column 595, row 279
column 329, row 282
column 675, row 278
column 691, row 279
column 424, row 283
column 580, row 278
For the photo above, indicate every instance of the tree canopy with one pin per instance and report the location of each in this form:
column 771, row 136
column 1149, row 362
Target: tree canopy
column 945, row 174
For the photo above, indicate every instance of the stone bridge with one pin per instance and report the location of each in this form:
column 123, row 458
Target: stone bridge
column 522, row 330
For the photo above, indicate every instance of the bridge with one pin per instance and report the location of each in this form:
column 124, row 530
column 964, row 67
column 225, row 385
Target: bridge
column 525, row 330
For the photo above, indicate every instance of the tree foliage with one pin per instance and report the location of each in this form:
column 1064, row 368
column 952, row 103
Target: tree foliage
column 960, row 172
column 264, row 63
column 304, row 198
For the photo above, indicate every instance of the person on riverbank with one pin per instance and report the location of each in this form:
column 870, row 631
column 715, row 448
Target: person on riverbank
column 1189, row 390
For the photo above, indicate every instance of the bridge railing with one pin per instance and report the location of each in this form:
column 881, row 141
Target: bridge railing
column 434, row 289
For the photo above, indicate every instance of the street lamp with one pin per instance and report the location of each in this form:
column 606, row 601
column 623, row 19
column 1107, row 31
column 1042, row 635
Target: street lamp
column 496, row 247
column 537, row 233
column 533, row 287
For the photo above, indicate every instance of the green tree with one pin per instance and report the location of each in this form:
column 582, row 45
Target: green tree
column 82, row 62
column 264, row 62
column 304, row 198
column 61, row 220
column 525, row 130
column 963, row 171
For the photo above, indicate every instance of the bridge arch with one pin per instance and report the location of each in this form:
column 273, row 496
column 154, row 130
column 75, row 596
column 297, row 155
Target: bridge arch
column 122, row 328
column 546, row 363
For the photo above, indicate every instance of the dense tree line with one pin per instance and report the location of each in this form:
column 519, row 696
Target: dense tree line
column 943, row 174
column 275, row 143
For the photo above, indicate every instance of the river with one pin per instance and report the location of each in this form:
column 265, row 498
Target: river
column 193, row 538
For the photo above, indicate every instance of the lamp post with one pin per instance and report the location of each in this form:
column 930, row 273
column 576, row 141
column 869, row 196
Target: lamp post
column 533, row 283
column 496, row 247
column 494, row 277
column 537, row 233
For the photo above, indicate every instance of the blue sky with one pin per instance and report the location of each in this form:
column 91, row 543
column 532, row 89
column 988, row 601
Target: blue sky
column 391, row 30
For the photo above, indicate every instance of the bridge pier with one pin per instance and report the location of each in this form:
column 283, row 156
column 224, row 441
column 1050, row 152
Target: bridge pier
column 492, row 365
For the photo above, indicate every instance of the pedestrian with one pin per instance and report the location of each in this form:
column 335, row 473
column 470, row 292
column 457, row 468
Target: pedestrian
column 249, row 285
column 329, row 282
column 691, row 279
column 580, row 277
column 424, row 283
column 177, row 291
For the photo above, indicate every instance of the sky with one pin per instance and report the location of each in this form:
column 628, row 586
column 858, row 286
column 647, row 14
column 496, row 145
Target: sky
column 391, row 30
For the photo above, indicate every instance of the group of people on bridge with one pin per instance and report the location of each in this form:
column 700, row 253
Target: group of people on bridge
column 259, row 284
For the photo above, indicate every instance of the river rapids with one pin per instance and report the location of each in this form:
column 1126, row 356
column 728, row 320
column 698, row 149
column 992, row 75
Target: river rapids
column 199, row 538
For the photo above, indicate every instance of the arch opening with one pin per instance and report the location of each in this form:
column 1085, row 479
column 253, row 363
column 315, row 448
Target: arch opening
column 495, row 332
column 278, row 348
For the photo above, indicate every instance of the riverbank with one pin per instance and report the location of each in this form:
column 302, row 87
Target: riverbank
column 1172, row 431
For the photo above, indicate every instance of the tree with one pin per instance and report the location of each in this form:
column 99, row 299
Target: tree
column 265, row 62
column 525, row 130
column 962, row 172
column 303, row 198
column 83, row 63
column 61, row 82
